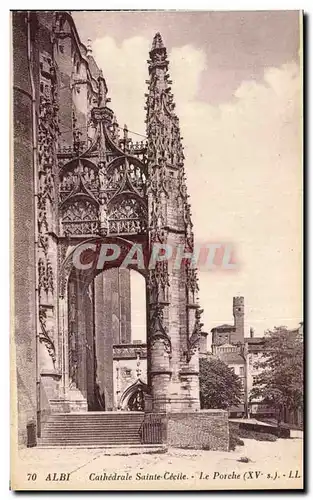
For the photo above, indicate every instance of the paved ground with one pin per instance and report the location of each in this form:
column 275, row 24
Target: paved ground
column 271, row 465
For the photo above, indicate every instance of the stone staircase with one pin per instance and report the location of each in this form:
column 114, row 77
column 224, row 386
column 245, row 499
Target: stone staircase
column 92, row 429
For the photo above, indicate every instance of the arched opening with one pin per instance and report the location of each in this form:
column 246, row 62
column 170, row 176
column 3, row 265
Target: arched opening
column 107, row 337
column 133, row 398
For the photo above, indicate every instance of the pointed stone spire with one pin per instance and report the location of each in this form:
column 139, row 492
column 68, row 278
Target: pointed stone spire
column 162, row 123
column 164, row 146
column 158, row 54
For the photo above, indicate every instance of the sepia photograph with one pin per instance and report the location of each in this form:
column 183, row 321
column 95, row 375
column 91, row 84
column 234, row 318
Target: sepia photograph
column 157, row 338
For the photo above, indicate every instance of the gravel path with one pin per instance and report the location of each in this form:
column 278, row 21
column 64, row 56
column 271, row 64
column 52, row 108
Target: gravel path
column 175, row 469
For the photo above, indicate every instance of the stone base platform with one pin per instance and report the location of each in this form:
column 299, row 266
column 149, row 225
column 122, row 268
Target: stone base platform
column 203, row 429
column 68, row 406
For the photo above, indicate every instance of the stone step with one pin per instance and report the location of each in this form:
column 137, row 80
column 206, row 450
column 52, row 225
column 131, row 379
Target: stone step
column 111, row 449
column 95, row 422
column 102, row 434
column 90, row 426
column 99, row 444
column 92, row 429
column 87, row 434
column 89, row 429
column 103, row 414
column 90, row 437
column 82, row 440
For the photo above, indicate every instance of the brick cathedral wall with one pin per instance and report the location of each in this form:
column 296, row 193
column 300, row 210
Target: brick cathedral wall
column 23, row 233
column 104, row 336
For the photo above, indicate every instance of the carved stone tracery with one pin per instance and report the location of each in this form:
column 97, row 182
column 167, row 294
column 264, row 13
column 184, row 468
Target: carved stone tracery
column 194, row 339
column 116, row 184
column 73, row 340
column 80, row 218
column 45, row 335
column 157, row 330
column 47, row 132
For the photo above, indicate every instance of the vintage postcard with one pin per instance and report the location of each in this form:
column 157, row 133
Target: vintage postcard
column 157, row 323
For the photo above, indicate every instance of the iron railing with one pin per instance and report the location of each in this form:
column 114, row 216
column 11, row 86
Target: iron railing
column 153, row 429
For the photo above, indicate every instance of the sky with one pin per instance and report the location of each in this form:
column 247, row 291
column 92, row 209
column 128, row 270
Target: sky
column 237, row 88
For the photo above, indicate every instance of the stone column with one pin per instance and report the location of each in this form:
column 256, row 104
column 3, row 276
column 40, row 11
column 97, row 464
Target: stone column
column 104, row 342
column 63, row 329
column 90, row 351
column 176, row 326
column 159, row 354
column 81, row 341
column 189, row 374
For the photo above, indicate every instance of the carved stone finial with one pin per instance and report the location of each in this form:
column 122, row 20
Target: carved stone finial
column 157, row 42
column 115, row 129
column 157, row 330
column 125, row 130
column 164, row 145
column 103, row 216
column 89, row 47
column 158, row 55
column 101, row 92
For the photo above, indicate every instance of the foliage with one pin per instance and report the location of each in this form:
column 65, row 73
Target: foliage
column 280, row 383
column 237, row 434
column 234, row 439
column 220, row 387
column 258, row 436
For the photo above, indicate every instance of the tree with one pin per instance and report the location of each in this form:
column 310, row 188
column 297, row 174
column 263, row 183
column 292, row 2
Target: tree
column 220, row 387
column 280, row 383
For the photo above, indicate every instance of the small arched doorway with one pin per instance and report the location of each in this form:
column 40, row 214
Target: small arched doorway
column 133, row 398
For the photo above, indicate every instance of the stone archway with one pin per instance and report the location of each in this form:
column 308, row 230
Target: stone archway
column 78, row 317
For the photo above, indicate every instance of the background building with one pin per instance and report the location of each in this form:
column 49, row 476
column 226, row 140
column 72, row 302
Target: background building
column 243, row 354
column 228, row 344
